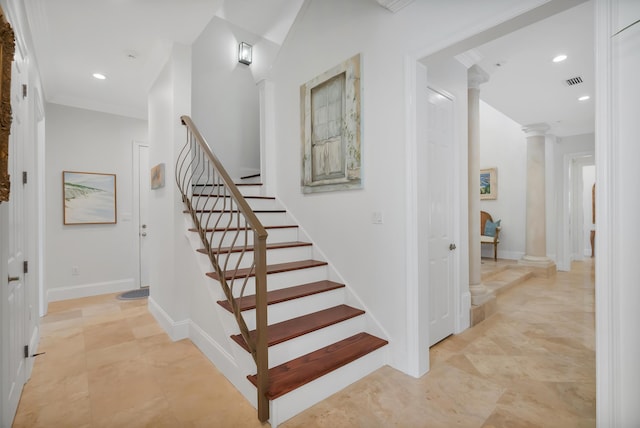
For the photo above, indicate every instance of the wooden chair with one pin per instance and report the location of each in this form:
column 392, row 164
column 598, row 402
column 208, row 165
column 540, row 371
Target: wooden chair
column 484, row 239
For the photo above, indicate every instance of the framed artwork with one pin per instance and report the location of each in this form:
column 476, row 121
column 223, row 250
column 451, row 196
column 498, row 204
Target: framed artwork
column 157, row 176
column 489, row 183
column 7, row 48
column 330, row 124
column 89, row 198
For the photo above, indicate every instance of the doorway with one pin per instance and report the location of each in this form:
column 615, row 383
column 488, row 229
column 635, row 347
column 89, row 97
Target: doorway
column 141, row 190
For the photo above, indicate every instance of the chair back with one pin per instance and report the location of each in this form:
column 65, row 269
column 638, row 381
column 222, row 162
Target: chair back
column 484, row 216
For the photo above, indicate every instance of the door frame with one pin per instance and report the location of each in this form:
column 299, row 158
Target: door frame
column 415, row 83
column 135, row 148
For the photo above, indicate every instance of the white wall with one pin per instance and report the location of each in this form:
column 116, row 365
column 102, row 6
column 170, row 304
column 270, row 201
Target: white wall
column 89, row 141
column 225, row 96
column 618, row 200
column 370, row 257
column 169, row 98
column 503, row 145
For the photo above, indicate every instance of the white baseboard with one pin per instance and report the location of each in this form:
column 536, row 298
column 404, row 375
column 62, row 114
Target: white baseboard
column 223, row 361
column 86, row 290
column 177, row 330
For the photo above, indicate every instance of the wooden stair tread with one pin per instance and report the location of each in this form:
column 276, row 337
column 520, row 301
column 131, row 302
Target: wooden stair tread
column 234, row 211
column 272, row 246
column 213, row 195
column 285, row 294
column 296, row 327
column 216, row 184
column 235, row 229
column 277, row 268
column 300, row 371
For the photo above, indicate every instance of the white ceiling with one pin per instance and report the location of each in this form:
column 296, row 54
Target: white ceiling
column 529, row 88
column 129, row 41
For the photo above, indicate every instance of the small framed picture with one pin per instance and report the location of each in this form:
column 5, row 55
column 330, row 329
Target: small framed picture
column 88, row 198
column 489, row 183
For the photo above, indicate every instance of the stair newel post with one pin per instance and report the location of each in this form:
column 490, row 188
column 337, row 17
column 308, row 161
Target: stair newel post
column 262, row 353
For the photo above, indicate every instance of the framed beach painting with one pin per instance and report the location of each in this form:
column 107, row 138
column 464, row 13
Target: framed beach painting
column 489, row 183
column 89, row 198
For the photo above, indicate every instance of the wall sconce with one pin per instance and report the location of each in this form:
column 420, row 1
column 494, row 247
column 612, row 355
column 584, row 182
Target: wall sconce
column 244, row 53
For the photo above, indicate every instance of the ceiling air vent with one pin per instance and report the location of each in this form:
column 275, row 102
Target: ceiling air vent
column 573, row 81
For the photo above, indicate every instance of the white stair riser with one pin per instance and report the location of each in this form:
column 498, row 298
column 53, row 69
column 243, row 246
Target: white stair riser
column 204, row 202
column 211, row 220
column 294, row 348
column 294, row 308
column 299, row 346
column 254, row 190
column 289, row 405
column 280, row 280
column 287, row 234
column 274, row 256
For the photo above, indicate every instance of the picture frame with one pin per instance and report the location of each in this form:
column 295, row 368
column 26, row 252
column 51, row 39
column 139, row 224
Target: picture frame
column 330, row 129
column 88, row 198
column 489, row 183
column 7, row 49
column 157, row 176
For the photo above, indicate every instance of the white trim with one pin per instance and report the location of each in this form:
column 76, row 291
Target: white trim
column 268, row 150
column 135, row 204
column 417, row 358
column 177, row 330
column 606, row 292
column 86, row 290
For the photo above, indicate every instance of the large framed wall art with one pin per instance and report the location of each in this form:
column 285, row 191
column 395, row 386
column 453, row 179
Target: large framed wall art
column 330, row 122
column 89, row 198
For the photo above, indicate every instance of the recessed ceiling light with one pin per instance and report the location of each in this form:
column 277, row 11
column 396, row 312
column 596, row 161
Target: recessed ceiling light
column 559, row 58
column 99, row 76
column 584, row 98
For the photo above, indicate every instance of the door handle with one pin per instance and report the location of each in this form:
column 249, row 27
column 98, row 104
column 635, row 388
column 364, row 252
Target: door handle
column 143, row 234
column 14, row 278
column 452, row 247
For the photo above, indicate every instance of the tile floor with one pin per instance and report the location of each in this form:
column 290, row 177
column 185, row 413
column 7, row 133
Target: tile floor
column 532, row 364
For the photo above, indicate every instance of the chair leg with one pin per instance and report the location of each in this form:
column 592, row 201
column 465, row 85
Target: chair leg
column 495, row 252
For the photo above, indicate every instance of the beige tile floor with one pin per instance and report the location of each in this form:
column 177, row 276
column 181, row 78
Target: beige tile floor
column 532, row 364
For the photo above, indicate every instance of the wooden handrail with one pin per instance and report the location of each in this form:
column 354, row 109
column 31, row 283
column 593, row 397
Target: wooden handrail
column 197, row 165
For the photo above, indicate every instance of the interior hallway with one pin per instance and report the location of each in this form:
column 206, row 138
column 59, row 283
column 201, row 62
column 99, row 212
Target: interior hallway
column 532, row 364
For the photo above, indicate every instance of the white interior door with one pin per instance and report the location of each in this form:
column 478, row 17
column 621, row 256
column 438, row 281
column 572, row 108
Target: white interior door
column 440, row 215
column 14, row 304
column 142, row 187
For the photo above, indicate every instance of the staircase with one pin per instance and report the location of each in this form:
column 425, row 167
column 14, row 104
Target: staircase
column 319, row 340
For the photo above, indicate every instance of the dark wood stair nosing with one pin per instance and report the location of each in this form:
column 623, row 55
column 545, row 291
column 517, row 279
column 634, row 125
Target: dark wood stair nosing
column 271, row 269
column 271, row 246
column 304, row 324
column 285, row 294
column 201, row 195
column 235, row 229
column 201, row 211
column 307, row 368
column 222, row 184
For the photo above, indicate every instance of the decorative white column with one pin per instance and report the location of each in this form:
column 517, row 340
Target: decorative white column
column 536, row 226
column 479, row 293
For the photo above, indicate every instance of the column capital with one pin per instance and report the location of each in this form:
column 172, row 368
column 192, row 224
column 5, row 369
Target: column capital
column 536, row 129
column 476, row 76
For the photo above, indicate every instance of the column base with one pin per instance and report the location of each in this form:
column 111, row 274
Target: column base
column 479, row 313
column 541, row 266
